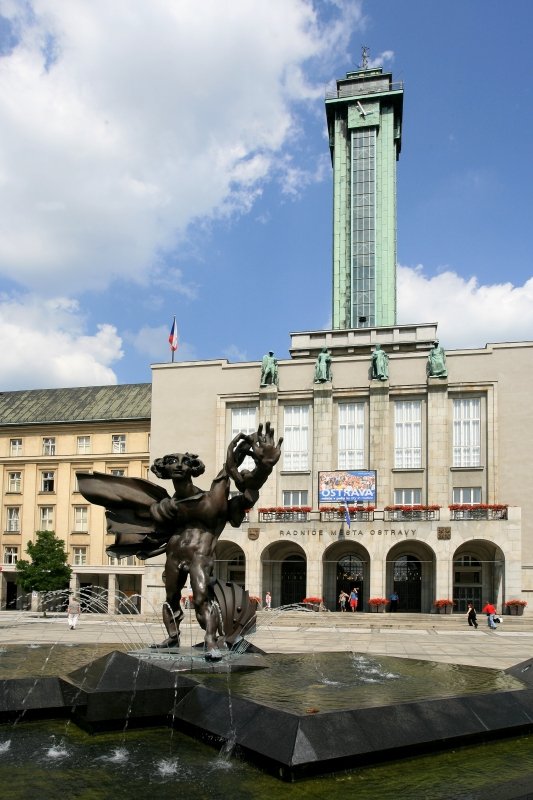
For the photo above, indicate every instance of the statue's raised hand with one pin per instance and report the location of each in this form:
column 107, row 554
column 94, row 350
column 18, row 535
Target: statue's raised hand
column 265, row 452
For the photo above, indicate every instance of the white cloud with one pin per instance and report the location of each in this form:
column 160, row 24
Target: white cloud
column 468, row 314
column 44, row 343
column 122, row 123
column 233, row 353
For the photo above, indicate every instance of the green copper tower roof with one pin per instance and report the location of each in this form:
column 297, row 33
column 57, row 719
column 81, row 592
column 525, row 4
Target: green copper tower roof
column 364, row 115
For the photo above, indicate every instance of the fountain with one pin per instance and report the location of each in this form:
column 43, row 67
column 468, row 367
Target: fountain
column 305, row 714
column 295, row 717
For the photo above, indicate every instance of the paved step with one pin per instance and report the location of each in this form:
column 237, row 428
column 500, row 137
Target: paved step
column 329, row 619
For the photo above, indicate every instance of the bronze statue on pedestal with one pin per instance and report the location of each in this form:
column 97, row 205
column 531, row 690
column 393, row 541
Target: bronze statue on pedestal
column 146, row 521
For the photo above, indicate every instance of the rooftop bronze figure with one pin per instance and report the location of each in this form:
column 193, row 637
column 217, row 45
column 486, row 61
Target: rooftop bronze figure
column 269, row 370
column 323, row 366
column 436, row 366
column 147, row 521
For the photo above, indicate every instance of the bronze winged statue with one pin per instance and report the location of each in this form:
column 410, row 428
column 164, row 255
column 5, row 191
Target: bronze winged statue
column 146, row 521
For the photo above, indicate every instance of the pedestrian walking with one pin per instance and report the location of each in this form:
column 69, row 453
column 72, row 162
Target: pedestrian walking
column 489, row 609
column 354, row 599
column 471, row 616
column 73, row 612
column 343, row 597
column 268, row 601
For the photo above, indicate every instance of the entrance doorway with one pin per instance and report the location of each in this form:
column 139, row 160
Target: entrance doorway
column 467, row 582
column 407, row 582
column 350, row 574
column 293, row 580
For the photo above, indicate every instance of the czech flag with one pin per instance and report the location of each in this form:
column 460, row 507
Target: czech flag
column 347, row 517
column 173, row 336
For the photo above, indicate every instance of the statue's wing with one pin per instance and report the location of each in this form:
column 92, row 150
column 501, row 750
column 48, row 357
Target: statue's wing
column 114, row 492
column 127, row 502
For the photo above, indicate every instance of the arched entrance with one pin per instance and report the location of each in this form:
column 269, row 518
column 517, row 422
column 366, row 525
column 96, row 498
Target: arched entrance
column 345, row 565
column 407, row 582
column 478, row 574
column 230, row 563
column 284, row 568
column 411, row 574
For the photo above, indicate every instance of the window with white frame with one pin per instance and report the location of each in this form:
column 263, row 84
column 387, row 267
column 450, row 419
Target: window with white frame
column 46, row 518
column 14, row 482
column 11, row 554
column 81, row 519
column 296, row 438
column 118, row 473
column 79, row 556
column 244, row 420
column 467, row 432
column 118, row 443
column 351, row 436
column 48, row 481
column 467, row 495
column 407, row 497
column 13, row 519
column 127, row 561
column 407, row 434
column 49, row 446
column 15, row 447
column 295, row 497
column 83, row 446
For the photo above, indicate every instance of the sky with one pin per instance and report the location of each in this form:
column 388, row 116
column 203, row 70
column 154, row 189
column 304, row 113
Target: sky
column 170, row 158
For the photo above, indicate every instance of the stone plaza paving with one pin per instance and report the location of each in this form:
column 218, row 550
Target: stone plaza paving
column 431, row 637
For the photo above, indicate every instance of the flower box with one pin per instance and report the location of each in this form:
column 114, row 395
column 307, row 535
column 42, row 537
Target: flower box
column 317, row 603
column 413, row 512
column 338, row 513
column 444, row 606
column 284, row 514
column 378, row 604
column 515, row 607
column 474, row 511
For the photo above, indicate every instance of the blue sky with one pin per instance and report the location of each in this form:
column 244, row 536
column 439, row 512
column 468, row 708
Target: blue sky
column 154, row 161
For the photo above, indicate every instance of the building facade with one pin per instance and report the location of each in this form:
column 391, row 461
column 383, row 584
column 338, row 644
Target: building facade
column 452, row 515
column 46, row 436
column 364, row 116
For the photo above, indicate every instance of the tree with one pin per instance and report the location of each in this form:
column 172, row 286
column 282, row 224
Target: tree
column 48, row 570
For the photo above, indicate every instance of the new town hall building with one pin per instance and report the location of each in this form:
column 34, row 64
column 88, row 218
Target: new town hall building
column 448, row 510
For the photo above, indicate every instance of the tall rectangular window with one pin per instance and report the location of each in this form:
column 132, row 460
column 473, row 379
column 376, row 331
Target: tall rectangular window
column 11, row 554
column 467, row 432
column 49, row 446
column 13, row 519
column 46, row 518
column 14, row 482
column 295, row 497
column 15, row 447
column 48, row 481
column 351, row 435
column 79, row 556
column 469, row 495
column 407, row 434
column 244, row 420
column 118, row 443
column 81, row 519
column 407, row 497
column 296, row 438
column 363, row 233
column 83, row 445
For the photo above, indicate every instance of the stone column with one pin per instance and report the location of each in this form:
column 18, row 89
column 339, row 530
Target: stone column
column 268, row 412
column 438, row 443
column 323, row 434
column 112, row 585
column 380, row 447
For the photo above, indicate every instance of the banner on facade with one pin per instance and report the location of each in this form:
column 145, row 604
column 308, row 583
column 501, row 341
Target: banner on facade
column 354, row 486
